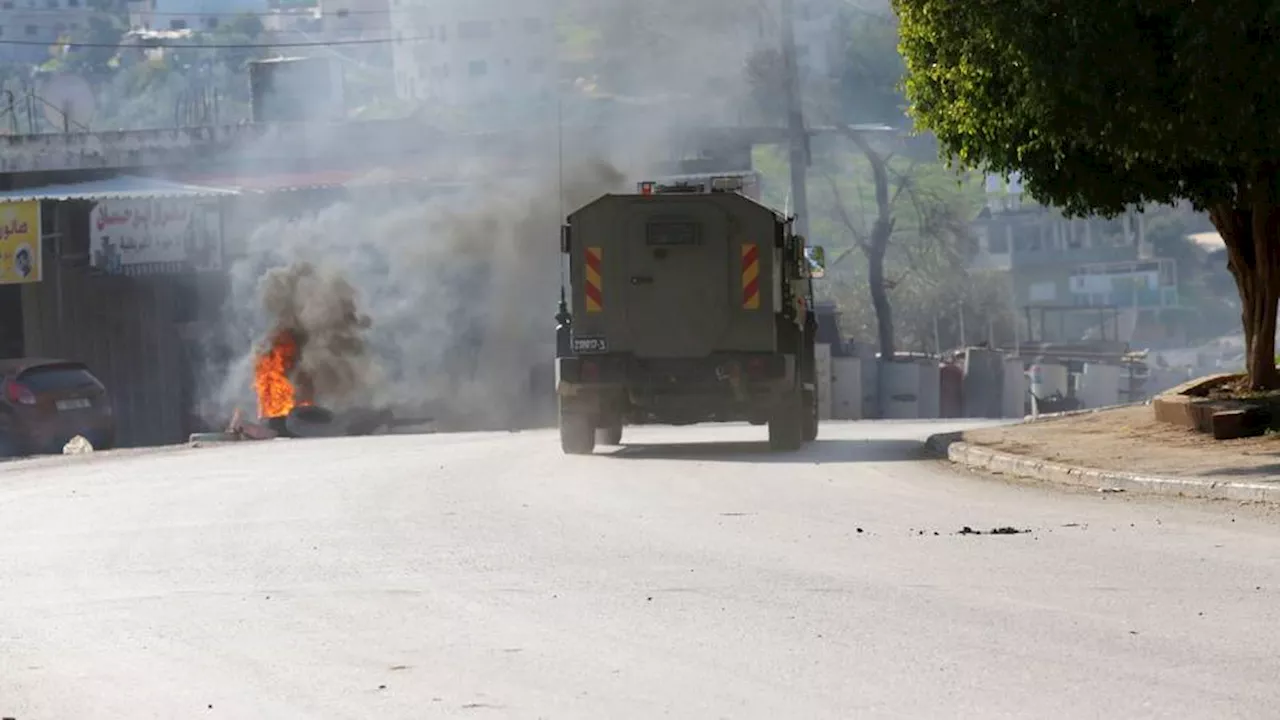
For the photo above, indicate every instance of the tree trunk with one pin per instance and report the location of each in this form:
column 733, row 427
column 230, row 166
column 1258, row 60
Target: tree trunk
column 878, row 244
column 1250, row 231
column 880, row 302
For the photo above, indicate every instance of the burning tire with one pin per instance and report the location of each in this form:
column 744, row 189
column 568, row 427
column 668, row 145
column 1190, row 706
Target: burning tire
column 309, row 421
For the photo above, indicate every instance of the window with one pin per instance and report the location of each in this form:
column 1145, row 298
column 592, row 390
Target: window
column 73, row 3
column 475, row 30
column 51, row 4
column 211, row 23
column 668, row 233
column 7, row 5
column 1043, row 292
column 31, row 30
column 179, row 24
column 998, row 240
column 1076, row 235
column 62, row 376
column 478, row 68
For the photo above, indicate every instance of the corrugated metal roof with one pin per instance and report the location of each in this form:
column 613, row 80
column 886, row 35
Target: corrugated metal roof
column 255, row 183
column 117, row 188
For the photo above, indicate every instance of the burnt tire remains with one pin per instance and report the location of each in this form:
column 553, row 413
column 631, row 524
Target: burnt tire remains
column 313, row 422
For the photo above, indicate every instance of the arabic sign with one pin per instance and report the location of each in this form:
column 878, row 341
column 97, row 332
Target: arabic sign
column 171, row 235
column 20, row 242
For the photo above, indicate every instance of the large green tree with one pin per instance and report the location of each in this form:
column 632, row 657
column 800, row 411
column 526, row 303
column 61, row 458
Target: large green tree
column 1102, row 106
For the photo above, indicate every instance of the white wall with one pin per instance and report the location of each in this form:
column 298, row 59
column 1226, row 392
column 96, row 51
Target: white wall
column 475, row 54
column 201, row 15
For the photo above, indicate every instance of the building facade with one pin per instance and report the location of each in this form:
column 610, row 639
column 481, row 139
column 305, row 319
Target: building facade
column 1052, row 261
column 197, row 15
column 46, row 21
column 478, row 60
column 356, row 17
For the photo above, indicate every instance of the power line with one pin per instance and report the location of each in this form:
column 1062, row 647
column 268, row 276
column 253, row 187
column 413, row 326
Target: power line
column 170, row 13
column 210, row 46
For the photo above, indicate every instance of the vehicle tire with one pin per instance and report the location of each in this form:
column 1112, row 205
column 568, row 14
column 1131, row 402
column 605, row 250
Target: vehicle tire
column 810, row 415
column 577, row 433
column 786, row 426
column 610, row 434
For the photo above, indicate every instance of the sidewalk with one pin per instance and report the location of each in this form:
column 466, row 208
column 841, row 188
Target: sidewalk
column 1122, row 449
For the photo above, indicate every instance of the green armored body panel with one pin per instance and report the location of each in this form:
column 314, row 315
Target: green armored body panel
column 691, row 303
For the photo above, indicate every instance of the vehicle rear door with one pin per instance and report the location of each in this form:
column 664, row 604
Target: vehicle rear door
column 677, row 278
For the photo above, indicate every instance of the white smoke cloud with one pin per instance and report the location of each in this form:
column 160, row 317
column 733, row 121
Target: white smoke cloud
column 445, row 305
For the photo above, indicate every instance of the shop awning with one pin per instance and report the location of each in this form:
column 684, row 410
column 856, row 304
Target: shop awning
column 328, row 179
column 124, row 187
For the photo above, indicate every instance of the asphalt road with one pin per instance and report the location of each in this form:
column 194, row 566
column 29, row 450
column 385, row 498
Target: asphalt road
column 693, row 575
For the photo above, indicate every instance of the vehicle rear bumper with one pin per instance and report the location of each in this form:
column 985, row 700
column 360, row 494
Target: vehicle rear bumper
column 721, row 386
column 49, row 436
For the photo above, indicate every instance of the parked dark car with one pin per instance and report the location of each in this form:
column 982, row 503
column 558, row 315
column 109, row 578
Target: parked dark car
column 46, row 402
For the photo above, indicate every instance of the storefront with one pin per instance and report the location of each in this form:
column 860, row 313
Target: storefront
column 120, row 272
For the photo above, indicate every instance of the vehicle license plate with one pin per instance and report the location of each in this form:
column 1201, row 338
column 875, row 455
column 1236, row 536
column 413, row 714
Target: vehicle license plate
column 74, row 404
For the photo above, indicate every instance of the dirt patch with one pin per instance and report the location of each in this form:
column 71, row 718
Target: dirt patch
column 1132, row 440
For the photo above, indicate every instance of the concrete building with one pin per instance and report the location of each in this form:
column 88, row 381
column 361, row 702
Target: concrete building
column 356, row 17
column 479, row 61
column 199, row 15
column 1054, row 261
column 46, row 21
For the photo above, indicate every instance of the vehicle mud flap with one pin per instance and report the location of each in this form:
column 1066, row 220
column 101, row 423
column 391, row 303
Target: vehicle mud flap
column 577, row 432
column 610, row 434
column 810, row 415
column 786, row 424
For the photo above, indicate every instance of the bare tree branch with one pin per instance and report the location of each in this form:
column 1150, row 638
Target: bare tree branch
column 858, row 236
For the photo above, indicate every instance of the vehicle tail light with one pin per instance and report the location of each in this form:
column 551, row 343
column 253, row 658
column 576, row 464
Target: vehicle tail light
column 19, row 394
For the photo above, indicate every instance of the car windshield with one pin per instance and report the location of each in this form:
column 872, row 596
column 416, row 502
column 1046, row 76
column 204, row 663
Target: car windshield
column 51, row 378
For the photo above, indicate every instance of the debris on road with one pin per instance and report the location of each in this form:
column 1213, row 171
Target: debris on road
column 966, row 530
column 78, row 445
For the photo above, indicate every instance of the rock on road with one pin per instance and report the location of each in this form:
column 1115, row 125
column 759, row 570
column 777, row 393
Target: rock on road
column 691, row 575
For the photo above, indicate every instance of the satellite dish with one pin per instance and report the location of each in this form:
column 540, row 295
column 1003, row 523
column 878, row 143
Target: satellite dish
column 68, row 102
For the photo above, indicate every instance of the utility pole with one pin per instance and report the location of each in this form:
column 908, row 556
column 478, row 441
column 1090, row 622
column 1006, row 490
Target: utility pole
column 798, row 137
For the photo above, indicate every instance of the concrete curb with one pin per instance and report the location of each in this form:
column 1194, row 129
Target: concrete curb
column 1086, row 411
column 974, row 457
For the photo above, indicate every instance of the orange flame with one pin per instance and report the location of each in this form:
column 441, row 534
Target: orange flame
column 271, row 377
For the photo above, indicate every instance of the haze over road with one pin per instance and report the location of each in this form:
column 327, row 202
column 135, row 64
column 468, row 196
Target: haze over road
column 490, row 576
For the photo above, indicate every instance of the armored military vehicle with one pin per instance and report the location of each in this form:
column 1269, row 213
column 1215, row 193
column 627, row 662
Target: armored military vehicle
column 691, row 303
